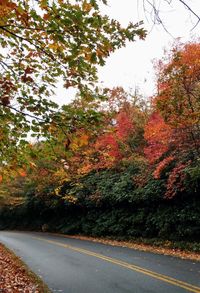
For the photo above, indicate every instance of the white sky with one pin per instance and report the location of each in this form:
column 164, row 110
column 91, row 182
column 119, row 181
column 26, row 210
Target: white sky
column 132, row 66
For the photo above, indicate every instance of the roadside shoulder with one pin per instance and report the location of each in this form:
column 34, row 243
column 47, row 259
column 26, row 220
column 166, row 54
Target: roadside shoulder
column 163, row 247
column 16, row 276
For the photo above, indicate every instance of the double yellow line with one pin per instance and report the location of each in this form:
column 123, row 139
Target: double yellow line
column 164, row 278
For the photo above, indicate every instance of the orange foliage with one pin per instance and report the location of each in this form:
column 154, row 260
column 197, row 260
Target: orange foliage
column 178, row 86
column 22, row 172
column 161, row 166
column 157, row 134
column 174, row 129
column 124, row 125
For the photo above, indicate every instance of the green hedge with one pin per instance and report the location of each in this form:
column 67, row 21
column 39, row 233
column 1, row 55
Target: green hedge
column 109, row 204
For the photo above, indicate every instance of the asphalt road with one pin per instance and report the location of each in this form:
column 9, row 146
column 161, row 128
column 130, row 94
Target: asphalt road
column 75, row 266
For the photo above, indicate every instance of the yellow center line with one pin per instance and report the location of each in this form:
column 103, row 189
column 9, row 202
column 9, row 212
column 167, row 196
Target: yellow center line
column 129, row 266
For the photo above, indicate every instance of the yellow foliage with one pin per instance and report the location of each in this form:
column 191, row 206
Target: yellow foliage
column 70, row 198
column 87, row 6
column 55, row 47
column 57, row 191
column 79, row 142
column 74, row 145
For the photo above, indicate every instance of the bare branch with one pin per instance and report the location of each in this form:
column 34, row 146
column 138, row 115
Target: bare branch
column 156, row 13
column 192, row 11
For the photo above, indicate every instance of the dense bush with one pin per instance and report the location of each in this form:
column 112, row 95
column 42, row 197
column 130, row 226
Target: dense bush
column 108, row 203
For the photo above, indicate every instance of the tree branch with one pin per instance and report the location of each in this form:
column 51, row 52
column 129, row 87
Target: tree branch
column 192, row 11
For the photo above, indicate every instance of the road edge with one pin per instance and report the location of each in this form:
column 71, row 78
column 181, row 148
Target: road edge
column 41, row 286
column 137, row 246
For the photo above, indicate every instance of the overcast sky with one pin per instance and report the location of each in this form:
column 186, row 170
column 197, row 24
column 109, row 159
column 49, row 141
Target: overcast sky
column 132, row 66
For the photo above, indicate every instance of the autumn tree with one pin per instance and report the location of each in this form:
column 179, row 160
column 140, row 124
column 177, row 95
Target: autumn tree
column 46, row 41
column 122, row 138
column 38, row 178
column 172, row 132
column 178, row 93
column 157, row 134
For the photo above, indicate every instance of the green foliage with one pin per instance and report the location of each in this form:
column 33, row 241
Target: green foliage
column 45, row 42
column 105, row 168
column 108, row 203
column 193, row 178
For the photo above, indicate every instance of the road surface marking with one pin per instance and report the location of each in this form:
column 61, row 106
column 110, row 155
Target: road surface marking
column 132, row 267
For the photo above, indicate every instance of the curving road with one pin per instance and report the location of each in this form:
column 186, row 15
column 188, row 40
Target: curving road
column 75, row 266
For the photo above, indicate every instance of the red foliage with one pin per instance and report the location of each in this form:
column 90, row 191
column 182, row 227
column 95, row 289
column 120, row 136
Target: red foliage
column 43, row 172
column 161, row 166
column 108, row 143
column 175, row 181
column 7, row 87
column 174, row 128
column 157, row 134
column 124, row 125
column 113, row 145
